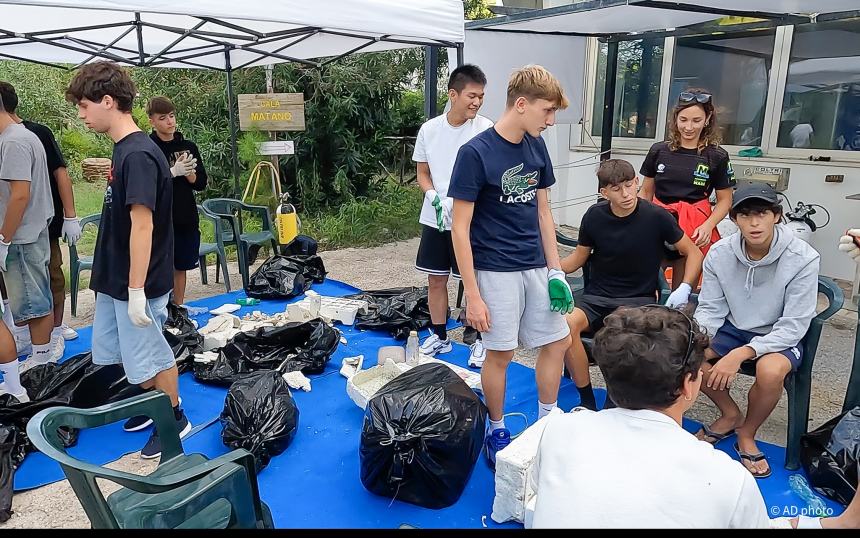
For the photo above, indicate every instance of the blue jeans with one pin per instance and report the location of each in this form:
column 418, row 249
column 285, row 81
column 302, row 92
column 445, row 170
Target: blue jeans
column 27, row 280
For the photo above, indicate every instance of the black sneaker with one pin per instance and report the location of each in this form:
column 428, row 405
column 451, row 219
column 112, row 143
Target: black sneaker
column 152, row 449
column 140, row 422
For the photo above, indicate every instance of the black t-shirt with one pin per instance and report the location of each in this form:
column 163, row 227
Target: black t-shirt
column 55, row 161
column 184, row 203
column 139, row 176
column 685, row 175
column 626, row 251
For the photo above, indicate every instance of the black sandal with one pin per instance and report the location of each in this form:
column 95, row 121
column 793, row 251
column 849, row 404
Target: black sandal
column 752, row 458
column 717, row 437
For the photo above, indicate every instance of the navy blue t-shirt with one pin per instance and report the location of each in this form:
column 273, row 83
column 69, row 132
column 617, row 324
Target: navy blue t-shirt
column 503, row 179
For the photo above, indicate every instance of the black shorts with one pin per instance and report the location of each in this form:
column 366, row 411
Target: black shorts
column 436, row 253
column 186, row 249
column 597, row 308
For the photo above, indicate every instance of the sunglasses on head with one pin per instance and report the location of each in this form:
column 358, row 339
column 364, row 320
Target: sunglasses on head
column 689, row 341
column 689, row 97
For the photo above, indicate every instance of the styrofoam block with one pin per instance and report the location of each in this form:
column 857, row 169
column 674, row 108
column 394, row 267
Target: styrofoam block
column 530, row 513
column 513, row 473
column 363, row 386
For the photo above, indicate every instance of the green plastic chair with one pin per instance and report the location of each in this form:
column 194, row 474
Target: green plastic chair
column 798, row 384
column 185, row 491
column 231, row 211
column 217, row 248
column 80, row 263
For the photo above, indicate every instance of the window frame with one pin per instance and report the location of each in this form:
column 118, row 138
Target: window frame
column 777, row 81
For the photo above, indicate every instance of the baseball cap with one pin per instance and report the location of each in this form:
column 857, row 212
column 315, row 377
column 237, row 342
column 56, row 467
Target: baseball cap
column 754, row 190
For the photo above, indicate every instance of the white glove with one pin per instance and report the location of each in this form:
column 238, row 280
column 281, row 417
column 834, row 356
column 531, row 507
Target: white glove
column 137, row 307
column 848, row 243
column 4, row 251
column 432, row 197
column 448, row 212
column 680, row 296
column 185, row 165
column 71, row 230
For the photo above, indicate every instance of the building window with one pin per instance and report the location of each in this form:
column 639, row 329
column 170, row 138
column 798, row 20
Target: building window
column 637, row 89
column 735, row 71
column 821, row 105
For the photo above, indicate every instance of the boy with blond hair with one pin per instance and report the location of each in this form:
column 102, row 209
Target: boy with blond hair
column 504, row 241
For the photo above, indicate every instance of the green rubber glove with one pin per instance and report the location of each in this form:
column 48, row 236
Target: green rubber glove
column 440, row 214
column 560, row 296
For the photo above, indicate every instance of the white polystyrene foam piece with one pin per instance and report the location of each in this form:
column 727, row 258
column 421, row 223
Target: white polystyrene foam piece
column 513, row 473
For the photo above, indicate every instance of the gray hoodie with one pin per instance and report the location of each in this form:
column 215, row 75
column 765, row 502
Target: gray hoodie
column 774, row 297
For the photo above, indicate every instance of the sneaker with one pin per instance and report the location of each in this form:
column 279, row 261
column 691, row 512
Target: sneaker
column 494, row 442
column 140, row 422
column 477, row 354
column 59, row 347
column 22, row 396
column 29, row 362
column 434, row 345
column 152, row 449
column 67, row 332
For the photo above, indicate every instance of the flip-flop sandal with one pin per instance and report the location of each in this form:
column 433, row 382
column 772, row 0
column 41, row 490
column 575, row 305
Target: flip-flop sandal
column 753, row 458
column 717, row 437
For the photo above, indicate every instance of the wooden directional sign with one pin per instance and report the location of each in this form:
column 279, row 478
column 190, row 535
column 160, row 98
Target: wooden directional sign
column 271, row 112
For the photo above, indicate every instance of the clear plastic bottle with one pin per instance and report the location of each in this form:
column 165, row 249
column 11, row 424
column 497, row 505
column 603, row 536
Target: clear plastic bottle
column 412, row 349
column 816, row 506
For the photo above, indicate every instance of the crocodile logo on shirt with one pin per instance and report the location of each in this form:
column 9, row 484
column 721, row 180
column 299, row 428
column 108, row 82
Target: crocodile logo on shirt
column 514, row 183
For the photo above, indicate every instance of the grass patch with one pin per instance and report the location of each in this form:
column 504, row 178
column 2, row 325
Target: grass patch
column 390, row 215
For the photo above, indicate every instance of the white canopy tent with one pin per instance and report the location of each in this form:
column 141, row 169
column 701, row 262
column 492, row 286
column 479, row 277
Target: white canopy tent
column 220, row 34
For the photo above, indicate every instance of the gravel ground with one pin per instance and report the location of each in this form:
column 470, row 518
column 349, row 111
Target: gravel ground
column 55, row 505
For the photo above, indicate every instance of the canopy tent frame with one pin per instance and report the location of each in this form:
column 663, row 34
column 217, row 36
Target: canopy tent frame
column 242, row 38
column 766, row 20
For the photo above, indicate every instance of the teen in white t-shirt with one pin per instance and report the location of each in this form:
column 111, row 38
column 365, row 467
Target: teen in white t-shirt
column 647, row 472
column 439, row 141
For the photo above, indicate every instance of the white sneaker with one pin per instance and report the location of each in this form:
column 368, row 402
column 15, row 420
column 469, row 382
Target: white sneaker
column 434, row 345
column 58, row 348
column 29, row 362
column 67, row 332
column 477, row 354
column 22, row 397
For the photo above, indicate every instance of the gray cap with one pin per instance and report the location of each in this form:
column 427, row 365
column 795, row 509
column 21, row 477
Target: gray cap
column 754, row 190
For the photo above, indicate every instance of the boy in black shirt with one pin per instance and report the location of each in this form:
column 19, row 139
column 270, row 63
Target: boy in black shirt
column 133, row 262
column 189, row 176
column 622, row 240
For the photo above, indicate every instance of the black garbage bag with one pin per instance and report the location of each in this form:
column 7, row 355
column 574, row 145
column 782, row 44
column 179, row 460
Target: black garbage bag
column 396, row 310
column 260, row 416
column 182, row 336
column 303, row 346
column 285, row 277
column 11, row 456
column 77, row 382
column 302, row 244
column 423, row 432
column 831, row 454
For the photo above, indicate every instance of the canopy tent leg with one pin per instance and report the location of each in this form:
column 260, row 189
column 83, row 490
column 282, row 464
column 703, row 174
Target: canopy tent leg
column 609, row 101
column 431, row 68
column 234, row 152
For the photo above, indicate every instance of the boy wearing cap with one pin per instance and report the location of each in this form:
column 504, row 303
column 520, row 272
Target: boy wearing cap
column 758, row 297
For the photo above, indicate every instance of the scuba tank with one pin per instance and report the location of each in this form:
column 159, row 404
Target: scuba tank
column 286, row 220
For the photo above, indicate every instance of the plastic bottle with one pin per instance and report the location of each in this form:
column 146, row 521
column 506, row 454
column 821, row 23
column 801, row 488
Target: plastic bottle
column 817, row 507
column 247, row 301
column 412, row 349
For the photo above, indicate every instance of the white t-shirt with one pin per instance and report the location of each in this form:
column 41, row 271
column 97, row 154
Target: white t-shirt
column 437, row 144
column 638, row 469
column 801, row 135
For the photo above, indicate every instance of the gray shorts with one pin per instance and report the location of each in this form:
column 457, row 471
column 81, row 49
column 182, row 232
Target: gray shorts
column 142, row 351
column 519, row 310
